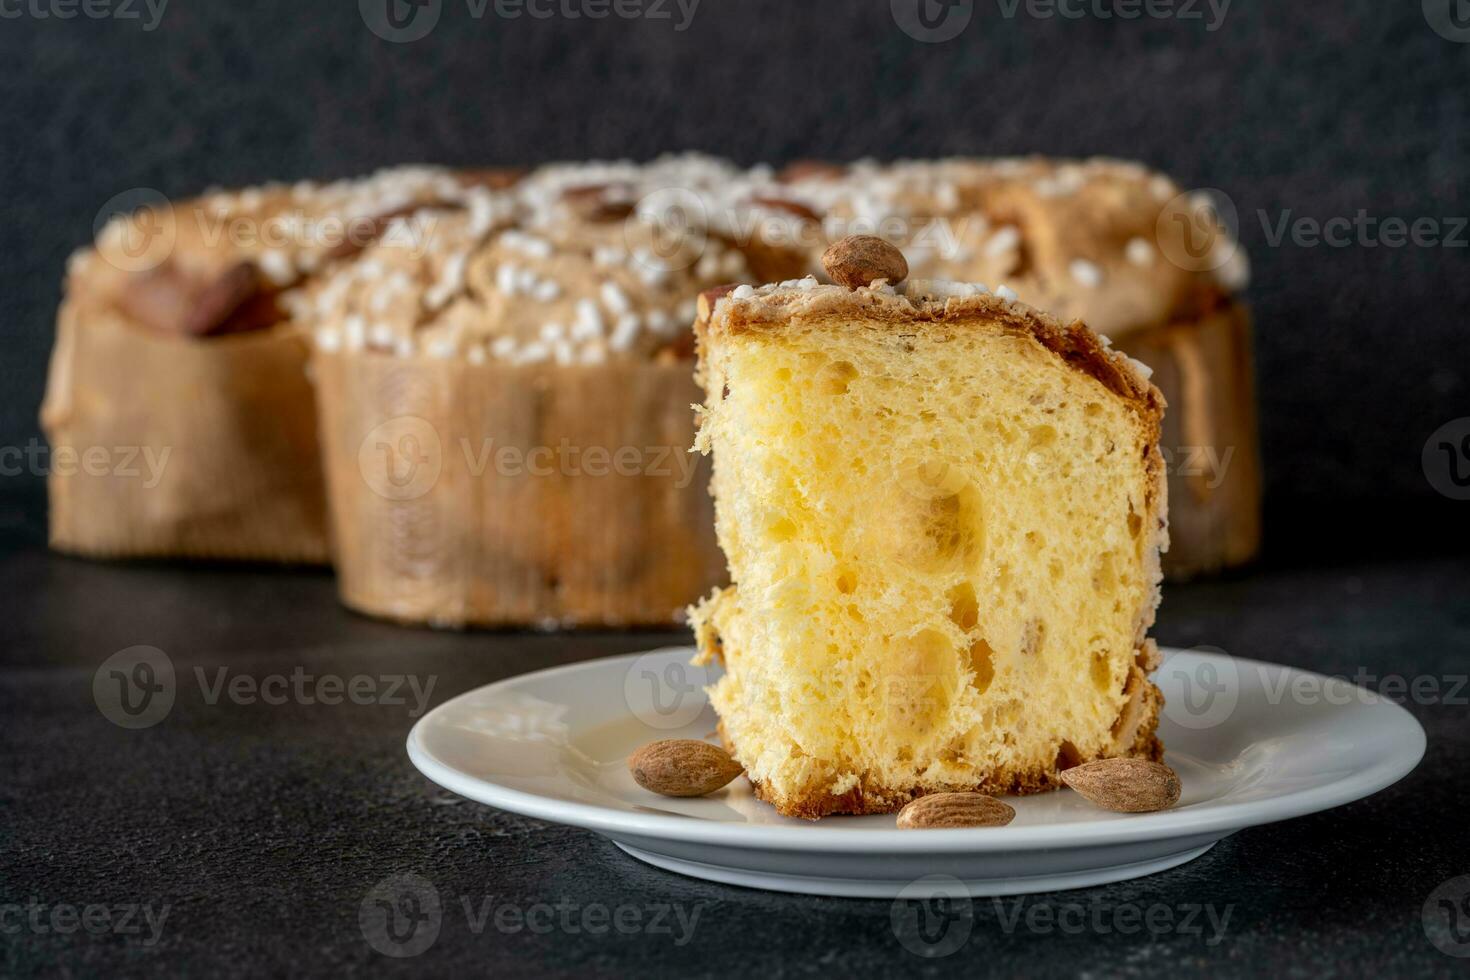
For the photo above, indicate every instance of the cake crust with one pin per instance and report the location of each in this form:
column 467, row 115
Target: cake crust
column 925, row 302
column 869, row 798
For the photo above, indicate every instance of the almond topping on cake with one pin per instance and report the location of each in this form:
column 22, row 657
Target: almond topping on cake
column 858, row 260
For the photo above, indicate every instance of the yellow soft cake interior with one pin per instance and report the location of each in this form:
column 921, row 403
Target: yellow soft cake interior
column 945, row 557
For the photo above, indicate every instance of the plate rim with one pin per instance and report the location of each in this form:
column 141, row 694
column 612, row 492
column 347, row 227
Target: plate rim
column 1224, row 819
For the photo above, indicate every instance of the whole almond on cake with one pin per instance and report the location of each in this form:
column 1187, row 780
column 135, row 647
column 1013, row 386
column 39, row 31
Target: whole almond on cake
column 942, row 512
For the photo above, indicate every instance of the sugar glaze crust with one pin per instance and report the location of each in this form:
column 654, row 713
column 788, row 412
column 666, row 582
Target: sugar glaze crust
column 914, row 303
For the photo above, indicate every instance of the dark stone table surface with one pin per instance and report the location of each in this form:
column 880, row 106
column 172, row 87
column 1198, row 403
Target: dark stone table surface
column 243, row 839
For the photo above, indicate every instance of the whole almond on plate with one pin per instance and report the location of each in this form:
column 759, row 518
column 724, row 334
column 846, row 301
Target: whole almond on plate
column 857, row 260
column 1125, row 785
column 955, row 810
column 682, row 767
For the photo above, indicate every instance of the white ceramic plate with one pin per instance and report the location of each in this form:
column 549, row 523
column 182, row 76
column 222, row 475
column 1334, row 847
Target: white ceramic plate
column 1252, row 742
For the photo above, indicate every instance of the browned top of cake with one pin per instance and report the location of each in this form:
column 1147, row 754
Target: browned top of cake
column 920, row 304
column 567, row 253
column 220, row 262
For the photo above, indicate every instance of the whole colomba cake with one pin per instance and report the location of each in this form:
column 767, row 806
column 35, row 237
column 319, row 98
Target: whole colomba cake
column 176, row 358
column 549, row 309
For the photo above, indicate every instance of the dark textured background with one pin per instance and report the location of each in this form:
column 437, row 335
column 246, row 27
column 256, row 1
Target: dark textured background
column 265, row 827
column 1319, row 109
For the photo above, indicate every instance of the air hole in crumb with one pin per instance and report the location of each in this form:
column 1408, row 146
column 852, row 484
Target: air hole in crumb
column 1102, row 671
column 1092, row 410
column 1041, row 436
column 963, row 609
column 1033, row 637
column 781, row 529
column 982, row 665
column 1067, row 756
column 837, row 376
column 941, row 526
column 1135, row 523
column 923, row 670
column 1034, row 540
column 846, row 582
